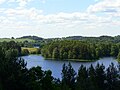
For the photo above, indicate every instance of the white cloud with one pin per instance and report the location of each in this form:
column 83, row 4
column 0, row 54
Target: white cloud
column 2, row 1
column 105, row 6
column 22, row 3
column 22, row 12
column 43, row 1
column 10, row 1
column 108, row 10
column 21, row 17
column 32, row 18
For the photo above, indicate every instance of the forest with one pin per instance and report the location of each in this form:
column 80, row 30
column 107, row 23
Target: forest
column 15, row 76
column 76, row 48
column 80, row 50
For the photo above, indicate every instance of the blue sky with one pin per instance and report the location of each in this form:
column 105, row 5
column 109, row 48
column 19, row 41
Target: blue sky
column 59, row 18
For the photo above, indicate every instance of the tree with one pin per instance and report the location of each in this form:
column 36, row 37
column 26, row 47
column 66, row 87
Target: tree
column 12, row 70
column 70, row 54
column 12, row 38
column 114, row 50
column 55, row 53
column 35, row 76
column 47, row 81
column 112, row 78
column 100, row 76
column 68, row 77
column 118, row 57
column 82, row 79
column 92, row 78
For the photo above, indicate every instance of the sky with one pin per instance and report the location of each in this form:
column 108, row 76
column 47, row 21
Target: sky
column 59, row 18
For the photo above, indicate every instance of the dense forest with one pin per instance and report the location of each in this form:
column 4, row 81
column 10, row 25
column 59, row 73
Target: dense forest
column 30, row 41
column 74, row 49
column 15, row 76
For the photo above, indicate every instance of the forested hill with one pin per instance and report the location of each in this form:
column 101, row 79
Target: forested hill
column 82, row 48
column 35, row 41
column 104, row 38
column 115, row 39
column 91, row 39
column 32, row 37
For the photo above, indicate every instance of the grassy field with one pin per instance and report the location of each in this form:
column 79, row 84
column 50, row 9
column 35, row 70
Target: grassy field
column 31, row 50
column 16, row 40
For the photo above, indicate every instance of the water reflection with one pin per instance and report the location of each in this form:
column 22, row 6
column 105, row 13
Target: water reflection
column 56, row 66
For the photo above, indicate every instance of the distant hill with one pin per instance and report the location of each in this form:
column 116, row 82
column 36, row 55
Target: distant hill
column 23, row 39
column 36, row 38
column 74, row 38
column 81, row 37
column 16, row 40
column 91, row 39
column 103, row 38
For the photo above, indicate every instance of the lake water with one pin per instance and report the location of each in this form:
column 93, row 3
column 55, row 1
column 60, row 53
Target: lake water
column 56, row 66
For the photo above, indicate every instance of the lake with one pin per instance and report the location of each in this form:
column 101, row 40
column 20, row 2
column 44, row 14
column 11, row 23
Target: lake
column 56, row 66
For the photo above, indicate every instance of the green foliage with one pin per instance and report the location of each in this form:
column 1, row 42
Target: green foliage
column 68, row 77
column 67, row 49
column 82, row 77
column 11, row 70
column 16, row 40
column 55, row 53
column 114, row 50
column 112, row 77
column 118, row 57
column 15, row 76
column 97, row 78
column 32, row 38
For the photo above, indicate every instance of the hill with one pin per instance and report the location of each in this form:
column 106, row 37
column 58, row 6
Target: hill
column 36, row 38
column 104, row 38
column 16, row 40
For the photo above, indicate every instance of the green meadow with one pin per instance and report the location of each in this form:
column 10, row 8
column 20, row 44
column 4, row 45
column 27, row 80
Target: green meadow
column 31, row 50
column 16, row 40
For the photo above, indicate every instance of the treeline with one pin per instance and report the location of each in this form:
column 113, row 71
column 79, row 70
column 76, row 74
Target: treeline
column 15, row 76
column 71, row 49
column 38, row 41
column 21, row 48
column 12, row 45
column 92, row 78
column 104, row 38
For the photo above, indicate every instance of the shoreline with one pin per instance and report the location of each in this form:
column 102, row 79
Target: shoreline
column 74, row 60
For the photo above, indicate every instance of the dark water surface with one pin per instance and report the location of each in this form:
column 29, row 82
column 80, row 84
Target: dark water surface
column 56, row 66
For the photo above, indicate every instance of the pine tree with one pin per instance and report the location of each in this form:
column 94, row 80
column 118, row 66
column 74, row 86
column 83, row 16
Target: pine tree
column 82, row 79
column 68, row 77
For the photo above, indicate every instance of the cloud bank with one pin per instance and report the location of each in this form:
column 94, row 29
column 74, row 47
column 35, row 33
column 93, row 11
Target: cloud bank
column 103, row 13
